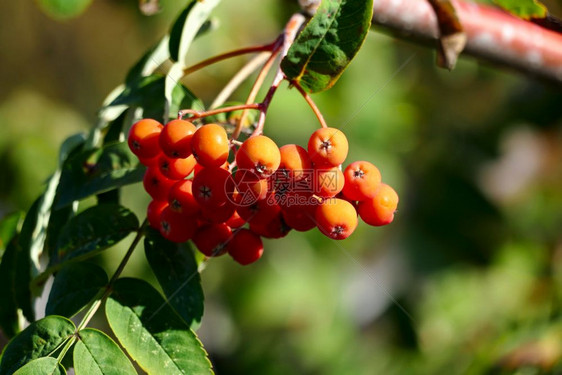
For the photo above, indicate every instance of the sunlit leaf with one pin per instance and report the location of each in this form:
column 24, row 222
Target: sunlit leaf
column 64, row 9
column 525, row 9
column 42, row 366
column 328, row 43
column 151, row 331
column 97, row 354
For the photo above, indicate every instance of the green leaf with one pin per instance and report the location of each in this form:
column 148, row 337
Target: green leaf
column 151, row 331
column 64, row 9
column 94, row 230
column 148, row 94
column 38, row 340
column 176, row 271
column 97, row 354
column 75, row 285
column 42, row 366
column 150, row 61
column 8, row 302
column 328, row 43
column 525, row 9
column 191, row 23
column 8, row 229
column 96, row 171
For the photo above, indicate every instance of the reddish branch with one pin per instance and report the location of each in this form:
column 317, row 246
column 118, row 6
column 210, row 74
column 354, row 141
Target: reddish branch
column 493, row 35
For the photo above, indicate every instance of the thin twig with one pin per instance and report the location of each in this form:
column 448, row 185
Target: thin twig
column 200, row 114
column 238, row 78
column 311, row 103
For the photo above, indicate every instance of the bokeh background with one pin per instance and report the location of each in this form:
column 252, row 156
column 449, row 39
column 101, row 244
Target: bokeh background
column 467, row 280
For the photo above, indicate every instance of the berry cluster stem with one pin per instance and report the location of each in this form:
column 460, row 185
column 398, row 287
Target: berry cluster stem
column 194, row 114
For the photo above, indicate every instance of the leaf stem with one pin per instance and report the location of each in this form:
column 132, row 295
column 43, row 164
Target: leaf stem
column 199, row 114
column 311, row 103
column 66, row 347
column 228, row 55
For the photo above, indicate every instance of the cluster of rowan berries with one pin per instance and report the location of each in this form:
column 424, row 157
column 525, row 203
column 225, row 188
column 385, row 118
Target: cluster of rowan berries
column 265, row 192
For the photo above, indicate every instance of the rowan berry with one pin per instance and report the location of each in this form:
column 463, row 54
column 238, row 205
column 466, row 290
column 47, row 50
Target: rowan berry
column 175, row 139
column 143, row 138
column 218, row 214
column 361, row 180
column 156, row 184
column 199, row 167
column 245, row 247
column 271, row 228
column 149, row 162
column 260, row 155
column 295, row 162
column 249, row 186
column 327, row 147
column 235, row 221
column 181, row 198
column 212, row 239
column 379, row 210
column 301, row 220
column 212, row 187
column 328, row 182
column 262, row 210
column 153, row 212
column 176, row 227
column 336, row 218
column 210, row 145
column 176, row 169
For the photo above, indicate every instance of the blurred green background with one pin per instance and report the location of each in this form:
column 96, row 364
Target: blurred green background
column 467, row 280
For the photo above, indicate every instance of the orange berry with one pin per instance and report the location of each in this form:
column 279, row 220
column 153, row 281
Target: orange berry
column 153, row 212
column 143, row 138
column 149, row 162
column 212, row 187
column 361, row 180
column 176, row 169
column 175, row 139
column 262, row 210
column 327, row 147
column 260, row 155
column 199, row 167
column 379, row 210
column 336, row 218
column 328, row 182
column 210, row 145
column 212, row 239
column 176, row 227
column 156, row 184
column 294, row 162
column 245, row 247
column 181, row 198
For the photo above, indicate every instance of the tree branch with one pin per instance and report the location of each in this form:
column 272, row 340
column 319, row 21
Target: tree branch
column 493, row 35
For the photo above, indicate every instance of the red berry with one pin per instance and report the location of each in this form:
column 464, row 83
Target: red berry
column 212, row 239
column 181, row 198
column 379, row 210
column 176, row 227
column 300, row 220
column 235, row 221
column 218, row 214
column 153, row 212
column 212, row 186
column 175, row 139
column 260, row 211
column 336, row 218
column 156, row 184
column 295, row 162
column 271, row 228
column 245, row 247
column 143, row 138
